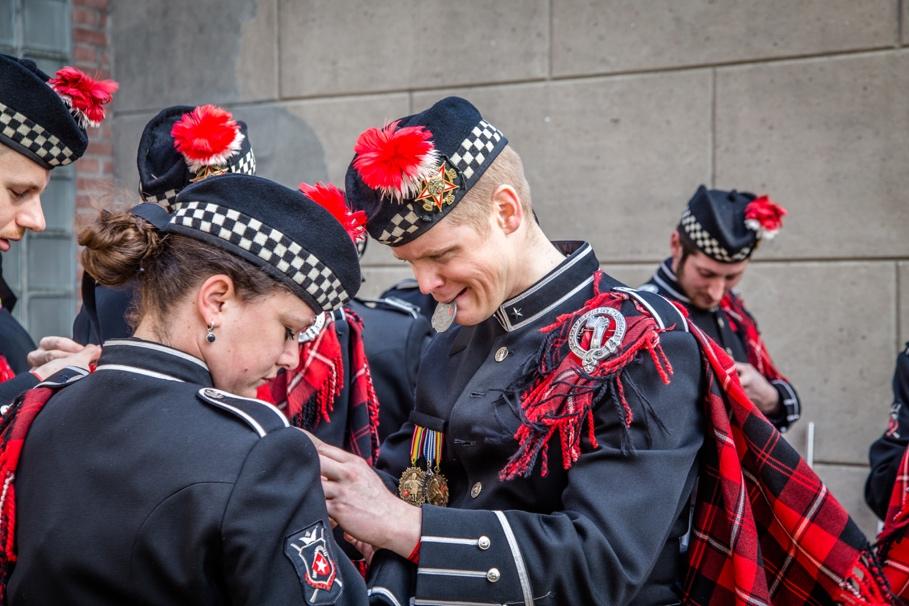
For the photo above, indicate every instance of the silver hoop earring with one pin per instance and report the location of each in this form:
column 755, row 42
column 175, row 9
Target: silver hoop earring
column 210, row 335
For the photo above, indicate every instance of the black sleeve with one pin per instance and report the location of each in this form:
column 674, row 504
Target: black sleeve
column 887, row 451
column 617, row 516
column 790, row 405
column 275, row 529
column 12, row 388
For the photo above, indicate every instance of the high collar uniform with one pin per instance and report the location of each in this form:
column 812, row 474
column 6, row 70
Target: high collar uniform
column 719, row 327
column 887, row 451
column 140, row 484
column 606, row 531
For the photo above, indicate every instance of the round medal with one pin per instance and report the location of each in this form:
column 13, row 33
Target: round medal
column 436, row 489
column 411, row 486
column 444, row 315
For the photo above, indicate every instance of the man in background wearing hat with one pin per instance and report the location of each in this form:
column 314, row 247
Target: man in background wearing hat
column 711, row 247
column 42, row 126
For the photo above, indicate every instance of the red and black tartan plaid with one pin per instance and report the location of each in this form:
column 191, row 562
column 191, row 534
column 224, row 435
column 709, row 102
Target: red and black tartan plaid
column 6, row 371
column 767, row 530
column 892, row 545
column 743, row 323
column 307, row 394
column 13, row 429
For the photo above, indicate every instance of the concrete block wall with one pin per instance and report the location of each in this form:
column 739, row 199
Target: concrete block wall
column 620, row 109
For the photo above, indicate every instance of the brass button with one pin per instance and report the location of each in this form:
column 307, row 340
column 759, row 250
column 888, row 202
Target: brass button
column 476, row 489
column 484, row 543
column 493, row 575
column 501, row 354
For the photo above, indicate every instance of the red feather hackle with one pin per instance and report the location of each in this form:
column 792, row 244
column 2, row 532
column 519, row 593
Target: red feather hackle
column 84, row 95
column 206, row 136
column 329, row 197
column 395, row 160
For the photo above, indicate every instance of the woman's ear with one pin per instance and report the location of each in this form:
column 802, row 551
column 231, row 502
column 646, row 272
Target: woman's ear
column 509, row 210
column 214, row 294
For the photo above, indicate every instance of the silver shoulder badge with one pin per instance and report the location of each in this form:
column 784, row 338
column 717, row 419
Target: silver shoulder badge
column 607, row 326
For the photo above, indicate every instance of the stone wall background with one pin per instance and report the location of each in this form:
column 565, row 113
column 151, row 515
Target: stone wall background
column 620, row 109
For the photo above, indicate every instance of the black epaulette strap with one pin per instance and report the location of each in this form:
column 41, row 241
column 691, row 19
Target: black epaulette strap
column 261, row 416
column 665, row 313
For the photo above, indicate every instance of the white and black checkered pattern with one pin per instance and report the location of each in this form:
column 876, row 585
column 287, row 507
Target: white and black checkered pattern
column 267, row 243
column 166, row 199
column 33, row 137
column 475, row 149
column 401, row 224
column 245, row 165
column 707, row 243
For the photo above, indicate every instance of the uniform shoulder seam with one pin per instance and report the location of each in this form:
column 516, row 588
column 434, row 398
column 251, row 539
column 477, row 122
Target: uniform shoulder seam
column 259, row 415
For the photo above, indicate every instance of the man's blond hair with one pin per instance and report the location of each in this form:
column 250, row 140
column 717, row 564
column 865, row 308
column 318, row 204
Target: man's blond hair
column 475, row 206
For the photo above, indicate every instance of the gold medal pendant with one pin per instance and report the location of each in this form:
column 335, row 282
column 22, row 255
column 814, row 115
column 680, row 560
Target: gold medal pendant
column 436, row 489
column 411, row 486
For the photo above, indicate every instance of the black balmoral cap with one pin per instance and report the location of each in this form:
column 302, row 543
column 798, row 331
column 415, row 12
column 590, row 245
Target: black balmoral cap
column 714, row 223
column 463, row 145
column 34, row 119
column 278, row 229
column 164, row 171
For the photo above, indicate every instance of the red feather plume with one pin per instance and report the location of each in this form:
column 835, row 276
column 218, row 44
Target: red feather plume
column 206, row 136
column 764, row 216
column 395, row 160
column 85, row 96
column 332, row 199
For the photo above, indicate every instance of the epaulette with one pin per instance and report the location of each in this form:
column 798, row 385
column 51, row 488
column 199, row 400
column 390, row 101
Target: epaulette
column 392, row 304
column 64, row 377
column 261, row 416
column 661, row 309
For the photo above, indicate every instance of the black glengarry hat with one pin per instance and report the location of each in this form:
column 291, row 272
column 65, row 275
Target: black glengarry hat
column 279, row 230
column 44, row 118
column 184, row 144
column 727, row 226
column 408, row 175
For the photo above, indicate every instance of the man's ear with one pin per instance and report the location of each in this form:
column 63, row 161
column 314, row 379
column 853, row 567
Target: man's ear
column 213, row 295
column 675, row 246
column 508, row 208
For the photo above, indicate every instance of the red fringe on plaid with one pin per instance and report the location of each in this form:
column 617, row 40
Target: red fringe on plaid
column 13, row 429
column 560, row 396
column 6, row 371
column 767, row 530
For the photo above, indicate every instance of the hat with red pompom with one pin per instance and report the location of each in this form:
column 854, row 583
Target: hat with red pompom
column 409, row 174
column 185, row 144
column 727, row 226
column 44, row 118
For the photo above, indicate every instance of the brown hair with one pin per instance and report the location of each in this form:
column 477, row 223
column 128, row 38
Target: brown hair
column 120, row 247
column 476, row 205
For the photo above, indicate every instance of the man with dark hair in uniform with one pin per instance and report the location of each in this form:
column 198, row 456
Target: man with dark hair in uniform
column 42, row 126
column 711, row 248
column 559, row 428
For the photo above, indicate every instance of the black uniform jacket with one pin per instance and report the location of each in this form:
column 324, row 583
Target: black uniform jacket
column 887, row 452
column 607, row 531
column 140, row 484
column 716, row 324
column 15, row 345
column 103, row 312
column 395, row 335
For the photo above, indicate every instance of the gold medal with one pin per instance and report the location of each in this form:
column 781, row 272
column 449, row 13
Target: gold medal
column 436, row 489
column 412, row 486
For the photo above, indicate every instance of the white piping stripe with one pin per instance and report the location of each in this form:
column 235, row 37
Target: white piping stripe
column 156, row 347
column 509, row 327
column 581, row 253
column 518, row 558
column 271, row 407
column 645, row 303
column 381, row 591
column 449, row 540
column 417, row 602
column 453, row 572
column 139, row 371
column 253, row 423
column 665, row 286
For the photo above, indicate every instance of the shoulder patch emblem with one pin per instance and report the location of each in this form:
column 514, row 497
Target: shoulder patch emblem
column 310, row 554
column 596, row 335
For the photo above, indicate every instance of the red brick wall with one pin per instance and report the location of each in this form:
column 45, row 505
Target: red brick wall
column 91, row 53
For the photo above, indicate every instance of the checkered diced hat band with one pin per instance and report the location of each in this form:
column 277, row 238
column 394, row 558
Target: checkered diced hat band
column 34, row 139
column 707, row 244
column 268, row 244
column 472, row 155
column 245, row 165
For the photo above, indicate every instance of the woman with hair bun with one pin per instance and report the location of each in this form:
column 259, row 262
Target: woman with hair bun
column 158, row 478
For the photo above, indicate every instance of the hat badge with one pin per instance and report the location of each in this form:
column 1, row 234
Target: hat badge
column 438, row 188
